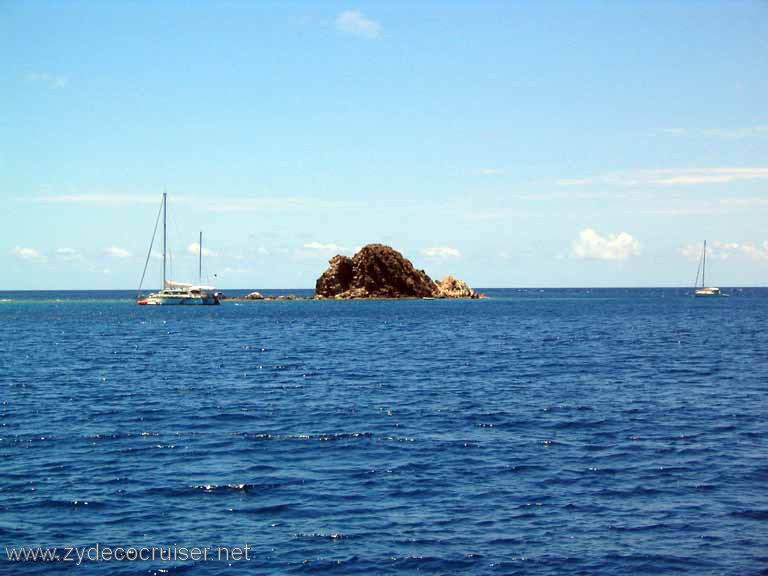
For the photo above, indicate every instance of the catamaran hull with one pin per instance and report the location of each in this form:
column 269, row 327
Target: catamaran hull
column 171, row 301
column 708, row 292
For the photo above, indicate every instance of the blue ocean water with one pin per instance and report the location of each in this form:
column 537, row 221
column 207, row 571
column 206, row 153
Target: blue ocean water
column 538, row 432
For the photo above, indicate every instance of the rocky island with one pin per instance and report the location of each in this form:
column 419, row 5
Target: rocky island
column 379, row 271
column 376, row 272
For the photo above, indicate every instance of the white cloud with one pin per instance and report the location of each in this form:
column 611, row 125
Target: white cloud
column 718, row 250
column 29, row 254
column 489, row 172
column 484, row 215
column 749, row 201
column 320, row 247
column 194, row 248
column 674, row 131
column 51, row 80
column 691, row 251
column 690, row 208
column 220, row 204
column 355, row 23
column 117, row 252
column 102, row 199
column 277, row 204
column 758, row 252
column 722, row 133
column 575, row 181
column 572, row 195
column 69, row 255
column 673, row 177
column 737, row 133
column 313, row 250
column 441, row 252
column 705, row 175
column 592, row 246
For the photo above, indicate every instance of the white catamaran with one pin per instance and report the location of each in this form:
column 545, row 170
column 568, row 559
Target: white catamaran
column 177, row 293
column 703, row 290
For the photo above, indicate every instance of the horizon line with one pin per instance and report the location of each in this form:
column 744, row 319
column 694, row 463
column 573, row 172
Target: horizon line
column 734, row 286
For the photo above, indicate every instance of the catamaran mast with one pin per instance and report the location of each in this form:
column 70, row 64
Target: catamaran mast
column 165, row 200
column 200, row 259
column 704, row 265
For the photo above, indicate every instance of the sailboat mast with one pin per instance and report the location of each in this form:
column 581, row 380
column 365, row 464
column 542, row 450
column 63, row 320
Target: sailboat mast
column 704, row 265
column 200, row 259
column 165, row 203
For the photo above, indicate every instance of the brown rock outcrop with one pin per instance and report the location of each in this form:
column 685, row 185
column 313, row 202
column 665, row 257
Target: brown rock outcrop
column 379, row 271
column 450, row 287
column 382, row 272
column 337, row 278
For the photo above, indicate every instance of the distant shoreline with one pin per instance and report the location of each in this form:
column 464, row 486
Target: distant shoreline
column 289, row 290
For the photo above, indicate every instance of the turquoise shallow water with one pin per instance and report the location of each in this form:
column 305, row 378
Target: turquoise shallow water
column 536, row 432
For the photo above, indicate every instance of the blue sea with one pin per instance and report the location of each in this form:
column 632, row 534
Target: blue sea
column 537, row 432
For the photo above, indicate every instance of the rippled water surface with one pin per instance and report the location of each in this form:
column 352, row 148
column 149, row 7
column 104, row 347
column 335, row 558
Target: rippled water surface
column 536, row 432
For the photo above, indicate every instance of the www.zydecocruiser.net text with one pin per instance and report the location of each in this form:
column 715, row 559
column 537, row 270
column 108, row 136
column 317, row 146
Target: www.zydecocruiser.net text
column 99, row 553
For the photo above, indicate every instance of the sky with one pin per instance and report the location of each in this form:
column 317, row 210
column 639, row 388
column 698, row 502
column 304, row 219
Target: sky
column 512, row 144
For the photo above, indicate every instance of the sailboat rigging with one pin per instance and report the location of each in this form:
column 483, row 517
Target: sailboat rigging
column 703, row 290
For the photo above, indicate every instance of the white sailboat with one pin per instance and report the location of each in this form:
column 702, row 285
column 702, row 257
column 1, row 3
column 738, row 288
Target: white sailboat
column 177, row 293
column 704, row 290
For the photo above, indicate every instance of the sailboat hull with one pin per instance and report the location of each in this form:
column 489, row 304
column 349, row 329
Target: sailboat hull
column 707, row 292
column 180, row 300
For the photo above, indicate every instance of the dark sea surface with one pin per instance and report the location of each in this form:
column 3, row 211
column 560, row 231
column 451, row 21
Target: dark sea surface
column 552, row 432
